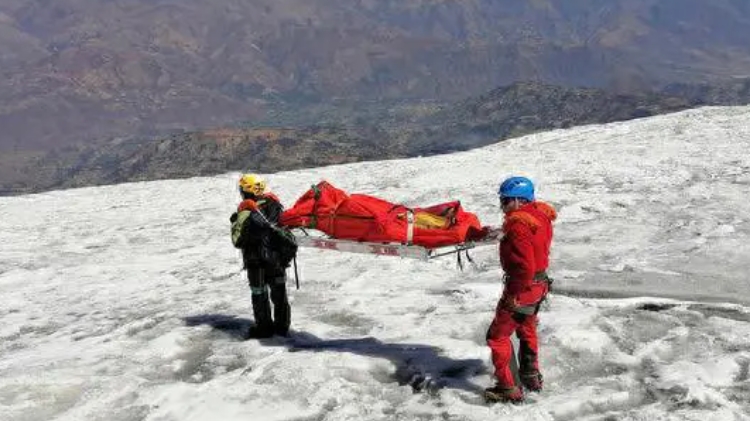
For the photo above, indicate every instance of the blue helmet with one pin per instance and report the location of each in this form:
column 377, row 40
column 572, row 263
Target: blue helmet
column 517, row 187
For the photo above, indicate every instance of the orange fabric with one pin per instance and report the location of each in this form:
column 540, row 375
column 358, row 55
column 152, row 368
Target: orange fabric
column 362, row 217
column 247, row 204
column 546, row 209
column 252, row 204
column 271, row 196
column 517, row 217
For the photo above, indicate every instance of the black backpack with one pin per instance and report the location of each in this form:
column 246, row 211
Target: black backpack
column 285, row 245
column 275, row 246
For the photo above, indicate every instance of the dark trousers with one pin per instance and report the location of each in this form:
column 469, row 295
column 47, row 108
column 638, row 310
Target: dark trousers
column 261, row 281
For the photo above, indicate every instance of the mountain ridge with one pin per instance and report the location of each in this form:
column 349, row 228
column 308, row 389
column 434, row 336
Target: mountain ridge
column 92, row 70
column 425, row 129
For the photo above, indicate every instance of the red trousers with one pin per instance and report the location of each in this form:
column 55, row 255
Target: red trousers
column 498, row 339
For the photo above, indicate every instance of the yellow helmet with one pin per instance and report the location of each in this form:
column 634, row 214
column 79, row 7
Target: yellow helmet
column 252, row 184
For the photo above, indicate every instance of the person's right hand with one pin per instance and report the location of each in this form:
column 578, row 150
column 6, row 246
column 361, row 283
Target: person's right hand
column 491, row 233
column 508, row 302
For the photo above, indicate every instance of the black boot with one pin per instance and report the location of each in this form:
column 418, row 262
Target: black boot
column 532, row 381
column 256, row 332
column 503, row 394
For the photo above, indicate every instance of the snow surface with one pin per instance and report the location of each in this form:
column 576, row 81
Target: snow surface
column 128, row 302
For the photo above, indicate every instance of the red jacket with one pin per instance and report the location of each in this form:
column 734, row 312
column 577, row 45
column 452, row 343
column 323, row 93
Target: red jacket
column 524, row 250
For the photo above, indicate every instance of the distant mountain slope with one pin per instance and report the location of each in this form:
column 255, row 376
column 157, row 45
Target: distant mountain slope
column 81, row 70
column 527, row 107
column 502, row 113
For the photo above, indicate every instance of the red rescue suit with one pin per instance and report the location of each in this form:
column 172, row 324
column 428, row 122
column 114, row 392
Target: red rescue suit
column 524, row 256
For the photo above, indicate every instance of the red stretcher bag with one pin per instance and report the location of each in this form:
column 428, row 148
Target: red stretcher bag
column 365, row 218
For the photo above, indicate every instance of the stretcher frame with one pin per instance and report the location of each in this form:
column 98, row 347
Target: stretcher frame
column 408, row 251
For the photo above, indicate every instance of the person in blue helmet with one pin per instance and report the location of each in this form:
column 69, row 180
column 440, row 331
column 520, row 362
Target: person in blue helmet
column 524, row 257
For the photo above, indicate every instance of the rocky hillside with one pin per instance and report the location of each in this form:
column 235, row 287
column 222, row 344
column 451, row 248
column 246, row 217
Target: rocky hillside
column 502, row 113
column 198, row 153
column 734, row 92
column 528, row 107
column 83, row 70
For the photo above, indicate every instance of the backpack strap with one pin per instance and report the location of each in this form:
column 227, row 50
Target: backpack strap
column 409, row 226
column 296, row 273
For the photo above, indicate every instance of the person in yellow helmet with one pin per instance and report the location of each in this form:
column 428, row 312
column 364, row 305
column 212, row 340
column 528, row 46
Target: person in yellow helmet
column 265, row 256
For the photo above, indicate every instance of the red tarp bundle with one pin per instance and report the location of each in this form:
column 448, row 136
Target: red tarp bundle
column 361, row 217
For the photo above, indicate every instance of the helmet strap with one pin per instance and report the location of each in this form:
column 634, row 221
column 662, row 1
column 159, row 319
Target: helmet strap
column 245, row 195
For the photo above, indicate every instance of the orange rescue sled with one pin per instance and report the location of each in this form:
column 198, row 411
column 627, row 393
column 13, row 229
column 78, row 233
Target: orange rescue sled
column 366, row 224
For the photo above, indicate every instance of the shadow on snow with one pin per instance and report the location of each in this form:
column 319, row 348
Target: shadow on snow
column 422, row 367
